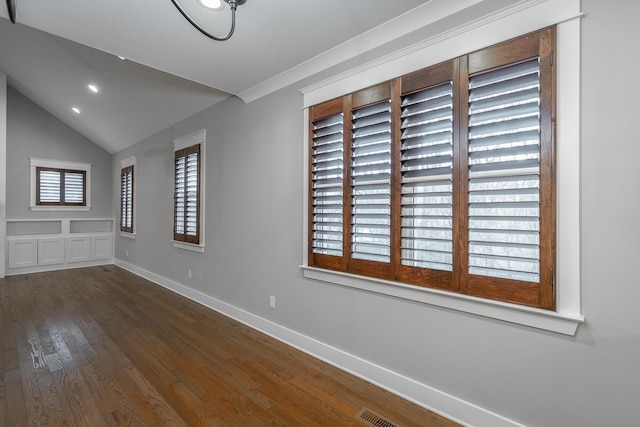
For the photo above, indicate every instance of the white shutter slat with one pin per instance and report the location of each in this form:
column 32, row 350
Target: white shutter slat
column 179, row 195
column 327, row 185
column 73, row 187
column 191, row 189
column 504, row 165
column 49, row 182
column 427, row 174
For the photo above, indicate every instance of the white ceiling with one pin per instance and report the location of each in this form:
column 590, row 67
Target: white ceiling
column 172, row 71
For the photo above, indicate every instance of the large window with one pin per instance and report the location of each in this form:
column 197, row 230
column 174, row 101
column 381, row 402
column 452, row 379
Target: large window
column 443, row 178
column 188, row 215
column 59, row 185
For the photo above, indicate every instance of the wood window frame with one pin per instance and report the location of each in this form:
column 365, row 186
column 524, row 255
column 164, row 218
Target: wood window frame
column 63, row 174
column 126, row 199
column 184, row 237
column 194, row 142
column 542, row 294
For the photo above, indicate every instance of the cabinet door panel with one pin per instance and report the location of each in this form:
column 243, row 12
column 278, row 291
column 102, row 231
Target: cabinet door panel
column 78, row 249
column 51, row 251
column 23, row 253
column 101, row 247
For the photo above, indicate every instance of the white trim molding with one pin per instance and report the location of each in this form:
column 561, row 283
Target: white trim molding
column 129, row 161
column 528, row 16
column 438, row 401
column 197, row 137
column 57, row 164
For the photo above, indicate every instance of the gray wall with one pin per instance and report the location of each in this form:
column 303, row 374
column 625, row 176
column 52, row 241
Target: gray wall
column 33, row 132
column 254, row 235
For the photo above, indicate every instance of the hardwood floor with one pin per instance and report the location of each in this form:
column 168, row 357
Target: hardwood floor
column 102, row 347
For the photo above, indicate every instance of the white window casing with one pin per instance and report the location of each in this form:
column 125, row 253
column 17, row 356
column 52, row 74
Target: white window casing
column 476, row 35
column 35, row 163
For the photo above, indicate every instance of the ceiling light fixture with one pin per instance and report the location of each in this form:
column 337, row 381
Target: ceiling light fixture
column 212, row 4
column 93, row 88
column 215, row 5
column 76, row 110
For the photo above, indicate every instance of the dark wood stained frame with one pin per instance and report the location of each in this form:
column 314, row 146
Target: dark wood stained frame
column 62, row 173
column 126, row 199
column 458, row 71
column 183, row 237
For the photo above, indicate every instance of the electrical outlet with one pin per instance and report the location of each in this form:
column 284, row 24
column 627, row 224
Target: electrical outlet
column 126, row 253
column 189, row 273
column 272, row 301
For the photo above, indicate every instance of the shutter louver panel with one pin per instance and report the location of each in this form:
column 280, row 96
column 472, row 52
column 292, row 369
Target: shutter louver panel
column 126, row 199
column 504, row 173
column 327, row 185
column 187, row 195
column 371, row 183
column 179, row 195
column 191, row 202
column 427, row 173
column 49, row 185
column 74, row 188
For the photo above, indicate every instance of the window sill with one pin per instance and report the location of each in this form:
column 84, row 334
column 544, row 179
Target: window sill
column 127, row 235
column 60, row 208
column 562, row 323
column 188, row 246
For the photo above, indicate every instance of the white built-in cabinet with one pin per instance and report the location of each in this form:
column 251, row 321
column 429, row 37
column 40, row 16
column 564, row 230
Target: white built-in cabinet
column 51, row 244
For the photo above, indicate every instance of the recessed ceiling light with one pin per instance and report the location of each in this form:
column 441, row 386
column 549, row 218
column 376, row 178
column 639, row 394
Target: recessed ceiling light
column 212, row 4
column 93, row 88
column 76, row 110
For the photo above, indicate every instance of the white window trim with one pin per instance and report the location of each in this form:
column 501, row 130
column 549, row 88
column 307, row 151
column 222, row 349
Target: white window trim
column 568, row 316
column 195, row 138
column 57, row 164
column 125, row 163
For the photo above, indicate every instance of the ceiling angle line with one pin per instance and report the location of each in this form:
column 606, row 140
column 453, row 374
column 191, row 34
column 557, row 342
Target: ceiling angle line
column 233, row 4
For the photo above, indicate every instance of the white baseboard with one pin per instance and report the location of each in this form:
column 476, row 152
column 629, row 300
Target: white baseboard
column 423, row 395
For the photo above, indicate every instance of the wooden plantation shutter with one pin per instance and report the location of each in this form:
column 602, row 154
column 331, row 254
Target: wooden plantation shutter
column 187, row 195
column 49, row 186
column 370, row 181
column 60, row 187
column 509, row 253
column 326, row 231
column 443, row 178
column 73, row 187
column 126, row 199
column 426, row 176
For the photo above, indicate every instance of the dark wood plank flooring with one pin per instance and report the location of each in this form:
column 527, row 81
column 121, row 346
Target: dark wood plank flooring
column 102, row 347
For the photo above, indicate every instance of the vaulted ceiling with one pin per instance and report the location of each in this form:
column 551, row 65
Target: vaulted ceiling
column 171, row 71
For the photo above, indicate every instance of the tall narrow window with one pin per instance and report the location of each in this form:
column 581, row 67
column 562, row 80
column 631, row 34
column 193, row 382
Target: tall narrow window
column 126, row 199
column 187, row 195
